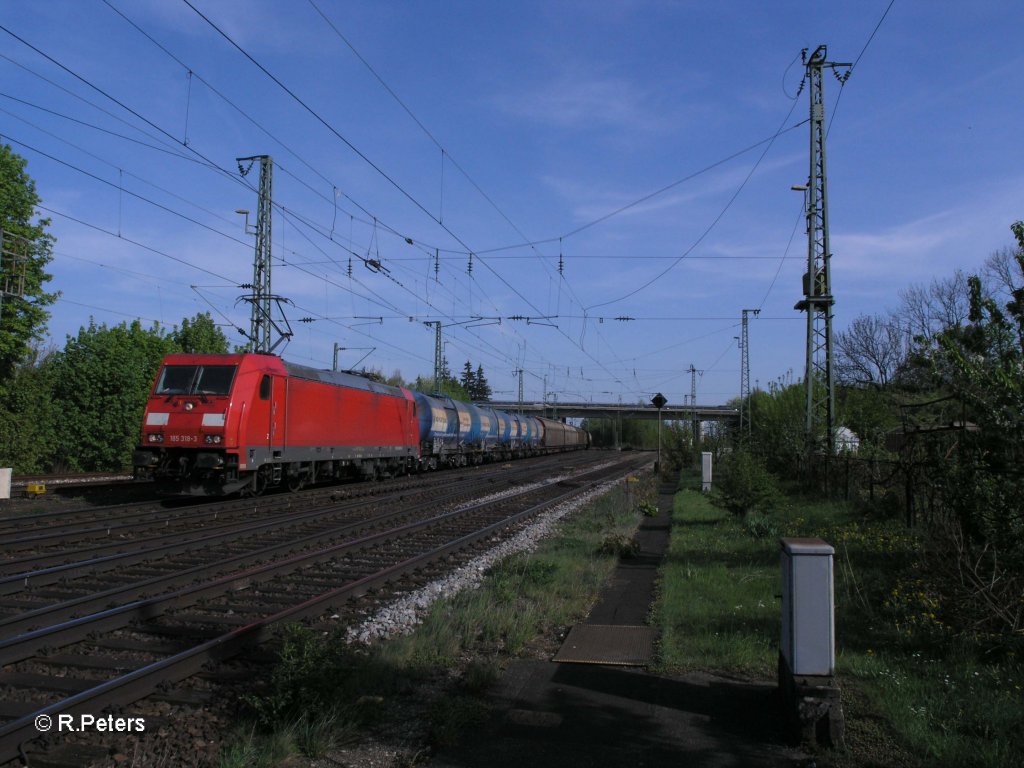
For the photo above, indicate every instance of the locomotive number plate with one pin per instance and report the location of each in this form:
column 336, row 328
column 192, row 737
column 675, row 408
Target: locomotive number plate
column 183, row 438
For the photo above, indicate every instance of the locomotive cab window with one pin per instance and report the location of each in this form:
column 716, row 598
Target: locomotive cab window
column 265, row 387
column 195, row 380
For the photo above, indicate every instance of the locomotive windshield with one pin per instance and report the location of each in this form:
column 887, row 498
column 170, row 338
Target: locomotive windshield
column 195, row 380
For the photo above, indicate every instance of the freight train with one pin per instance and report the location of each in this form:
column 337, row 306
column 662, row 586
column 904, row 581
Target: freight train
column 244, row 423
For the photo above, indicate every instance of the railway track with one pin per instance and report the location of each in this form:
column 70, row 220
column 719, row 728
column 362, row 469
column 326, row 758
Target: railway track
column 70, row 552
column 119, row 571
column 67, row 480
column 102, row 630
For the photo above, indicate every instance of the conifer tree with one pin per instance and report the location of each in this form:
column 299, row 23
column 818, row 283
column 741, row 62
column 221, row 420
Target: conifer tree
column 483, row 392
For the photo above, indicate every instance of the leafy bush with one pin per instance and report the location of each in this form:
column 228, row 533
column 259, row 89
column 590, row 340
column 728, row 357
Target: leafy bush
column 619, row 545
column 647, row 509
column 761, row 527
column 744, row 485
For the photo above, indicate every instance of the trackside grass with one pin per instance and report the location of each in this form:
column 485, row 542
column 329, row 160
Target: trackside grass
column 913, row 695
column 324, row 693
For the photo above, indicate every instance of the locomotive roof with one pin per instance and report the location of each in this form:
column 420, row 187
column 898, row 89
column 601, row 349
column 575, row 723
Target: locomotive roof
column 341, row 378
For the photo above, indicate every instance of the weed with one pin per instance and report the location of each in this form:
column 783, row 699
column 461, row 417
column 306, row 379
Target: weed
column 316, row 735
column 761, row 527
column 647, row 509
column 619, row 545
column 939, row 696
column 239, row 754
column 453, row 715
column 524, row 596
column 258, row 750
column 480, row 675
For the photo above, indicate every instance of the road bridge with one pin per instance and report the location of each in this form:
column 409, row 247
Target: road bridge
column 584, row 410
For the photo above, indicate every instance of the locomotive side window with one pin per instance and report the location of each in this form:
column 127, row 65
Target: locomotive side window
column 265, row 388
column 195, row 380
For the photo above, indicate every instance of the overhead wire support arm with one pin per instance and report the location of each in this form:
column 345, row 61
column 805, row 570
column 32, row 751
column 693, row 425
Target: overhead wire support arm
column 338, row 348
column 539, row 320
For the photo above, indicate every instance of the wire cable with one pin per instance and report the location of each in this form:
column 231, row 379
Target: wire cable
column 713, row 223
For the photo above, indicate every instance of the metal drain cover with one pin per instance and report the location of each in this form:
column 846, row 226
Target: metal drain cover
column 608, row 644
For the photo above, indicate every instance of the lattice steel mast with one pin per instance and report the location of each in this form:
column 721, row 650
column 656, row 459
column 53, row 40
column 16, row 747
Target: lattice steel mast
column 262, row 298
column 745, row 422
column 695, row 421
column 818, row 298
column 438, row 354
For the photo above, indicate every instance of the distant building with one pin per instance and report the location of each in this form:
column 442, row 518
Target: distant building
column 846, row 441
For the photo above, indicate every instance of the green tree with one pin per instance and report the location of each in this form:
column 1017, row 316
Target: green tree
column 468, row 379
column 102, row 378
column 973, row 474
column 870, row 412
column 29, row 436
column 27, row 249
column 635, row 433
column 743, row 484
column 449, row 388
column 483, row 392
column 474, row 383
column 199, row 335
column 778, row 424
column 376, row 374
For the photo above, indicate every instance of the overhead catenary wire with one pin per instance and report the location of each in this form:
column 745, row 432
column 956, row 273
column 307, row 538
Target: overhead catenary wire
column 224, row 171
column 119, row 186
column 714, row 222
column 856, row 61
column 648, row 196
column 221, row 95
column 510, row 286
column 445, row 152
column 259, row 126
column 387, row 177
column 310, row 221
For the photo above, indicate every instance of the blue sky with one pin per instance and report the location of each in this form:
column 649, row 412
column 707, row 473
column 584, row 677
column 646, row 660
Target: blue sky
column 531, row 134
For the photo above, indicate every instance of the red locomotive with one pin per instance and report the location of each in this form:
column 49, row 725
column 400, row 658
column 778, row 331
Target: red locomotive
column 220, row 424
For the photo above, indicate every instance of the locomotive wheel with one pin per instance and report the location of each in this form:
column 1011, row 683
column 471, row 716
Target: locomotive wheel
column 296, row 483
column 260, row 481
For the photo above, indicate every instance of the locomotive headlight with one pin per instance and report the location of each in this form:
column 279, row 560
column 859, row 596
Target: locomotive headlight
column 189, row 406
column 156, row 438
column 213, row 439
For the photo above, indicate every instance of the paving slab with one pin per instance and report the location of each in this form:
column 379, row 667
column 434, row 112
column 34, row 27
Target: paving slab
column 545, row 714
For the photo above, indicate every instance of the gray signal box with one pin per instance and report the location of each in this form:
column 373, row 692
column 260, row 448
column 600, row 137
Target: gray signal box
column 705, row 471
column 808, row 609
column 807, row 658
